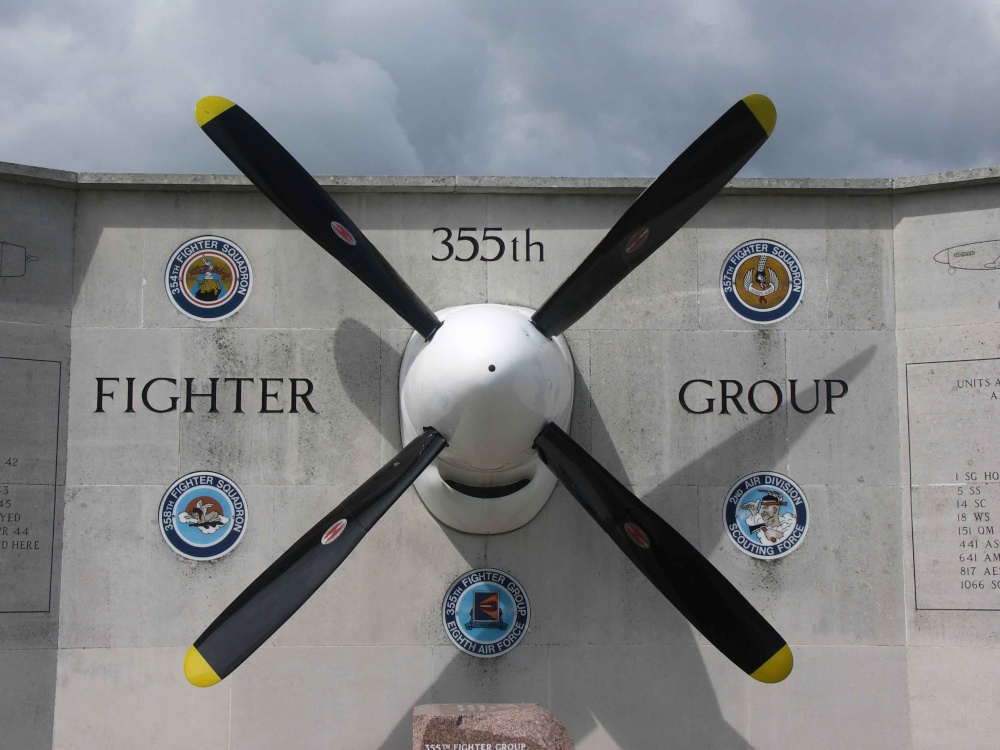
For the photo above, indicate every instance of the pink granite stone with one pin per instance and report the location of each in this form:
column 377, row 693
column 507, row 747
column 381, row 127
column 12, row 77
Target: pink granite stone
column 487, row 726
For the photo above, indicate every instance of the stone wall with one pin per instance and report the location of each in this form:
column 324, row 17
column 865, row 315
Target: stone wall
column 605, row 652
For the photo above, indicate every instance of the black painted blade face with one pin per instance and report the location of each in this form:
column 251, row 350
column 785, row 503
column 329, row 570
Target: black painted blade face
column 682, row 574
column 663, row 208
column 286, row 585
column 293, row 190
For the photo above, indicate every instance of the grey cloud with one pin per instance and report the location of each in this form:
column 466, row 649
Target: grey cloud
column 446, row 87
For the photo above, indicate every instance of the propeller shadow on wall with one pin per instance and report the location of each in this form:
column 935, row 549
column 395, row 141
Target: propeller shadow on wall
column 466, row 679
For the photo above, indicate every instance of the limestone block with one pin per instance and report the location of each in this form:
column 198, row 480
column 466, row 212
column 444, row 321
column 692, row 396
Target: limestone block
column 115, row 447
column 171, row 219
column 315, row 291
column 122, row 697
column 930, row 292
column 859, row 250
column 797, row 222
column 108, row 255
column 857, row 442
column 950, row 697
column 124, row 587
column 841, row 585
column 845, row 696
column 636, row 378
column 27, row 692
column 567, row 563
column 334, row 445
column 366, row 697
column 389, row 590
column 36, row 253
column 521, row 674
column 649, row 697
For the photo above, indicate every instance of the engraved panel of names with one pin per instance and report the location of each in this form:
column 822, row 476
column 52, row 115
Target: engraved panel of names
column 29, row 443
column 953, row 412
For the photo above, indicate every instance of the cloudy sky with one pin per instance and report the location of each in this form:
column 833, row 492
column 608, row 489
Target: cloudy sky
column 582, row 88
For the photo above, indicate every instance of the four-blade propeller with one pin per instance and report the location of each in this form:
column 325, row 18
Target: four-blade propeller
column 698, row 590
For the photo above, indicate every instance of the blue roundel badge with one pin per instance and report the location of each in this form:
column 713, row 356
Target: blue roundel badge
column 208, row 278
column 486, row 613
column 766, row 515
column 762, row 281
column 203, row 515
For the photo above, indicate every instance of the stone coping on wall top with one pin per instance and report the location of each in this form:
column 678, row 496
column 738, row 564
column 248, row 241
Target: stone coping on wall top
column 527, row 185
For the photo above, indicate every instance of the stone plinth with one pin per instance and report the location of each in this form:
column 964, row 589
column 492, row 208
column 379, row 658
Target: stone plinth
column 496, row 726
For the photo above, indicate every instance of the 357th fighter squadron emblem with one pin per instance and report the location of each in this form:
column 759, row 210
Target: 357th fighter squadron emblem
column 762, row 281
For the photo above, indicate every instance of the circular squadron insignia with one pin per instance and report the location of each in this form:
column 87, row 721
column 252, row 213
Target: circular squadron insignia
column 203, row 515
column 208, row 278
column 762, row 281
column 766, row 515
column 485, row 613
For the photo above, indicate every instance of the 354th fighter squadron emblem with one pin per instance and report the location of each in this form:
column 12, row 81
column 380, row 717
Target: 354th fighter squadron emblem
column 208, row 278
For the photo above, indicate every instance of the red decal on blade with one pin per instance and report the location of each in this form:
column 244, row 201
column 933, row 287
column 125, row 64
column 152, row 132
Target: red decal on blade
column 334, row 531
column 342, row 232
column 637, row 240
column 637, row 535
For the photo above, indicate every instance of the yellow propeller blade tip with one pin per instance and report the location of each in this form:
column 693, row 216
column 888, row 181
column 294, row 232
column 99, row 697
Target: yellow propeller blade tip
column 197, row 670
column 763, row 110
column 210, row 107
column 777, row 668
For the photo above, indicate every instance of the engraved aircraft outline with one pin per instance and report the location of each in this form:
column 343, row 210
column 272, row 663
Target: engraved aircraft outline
column 973, row 256
column 14, row 260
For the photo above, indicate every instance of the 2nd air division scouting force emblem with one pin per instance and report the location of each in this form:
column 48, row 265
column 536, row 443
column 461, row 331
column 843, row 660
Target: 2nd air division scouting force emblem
column 208, row 278
column 485, row 613
column 762, row 281
column 766, row 515
column 203, row 516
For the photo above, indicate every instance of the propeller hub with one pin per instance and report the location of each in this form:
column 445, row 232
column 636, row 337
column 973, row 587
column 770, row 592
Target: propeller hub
column 488, row 381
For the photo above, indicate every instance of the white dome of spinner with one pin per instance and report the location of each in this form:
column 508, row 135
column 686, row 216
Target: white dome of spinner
column 488, row 381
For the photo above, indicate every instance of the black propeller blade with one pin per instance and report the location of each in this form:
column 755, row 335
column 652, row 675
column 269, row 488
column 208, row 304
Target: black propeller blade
column 285, row 586
column 663, row 208
column 682, row 574
column 293, row 190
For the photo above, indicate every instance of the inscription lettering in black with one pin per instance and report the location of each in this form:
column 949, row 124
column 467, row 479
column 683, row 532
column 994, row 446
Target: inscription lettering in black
column 763, row 397
column 475, row 248
column 164, row 395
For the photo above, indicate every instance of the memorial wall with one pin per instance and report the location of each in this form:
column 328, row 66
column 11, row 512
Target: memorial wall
column 189, row 384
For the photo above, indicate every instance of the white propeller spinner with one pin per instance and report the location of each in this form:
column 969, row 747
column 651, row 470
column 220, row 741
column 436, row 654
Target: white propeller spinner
column 488, row 381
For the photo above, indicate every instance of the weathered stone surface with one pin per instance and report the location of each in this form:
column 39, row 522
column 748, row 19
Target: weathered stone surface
column 514, row 726
column 606, row 652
